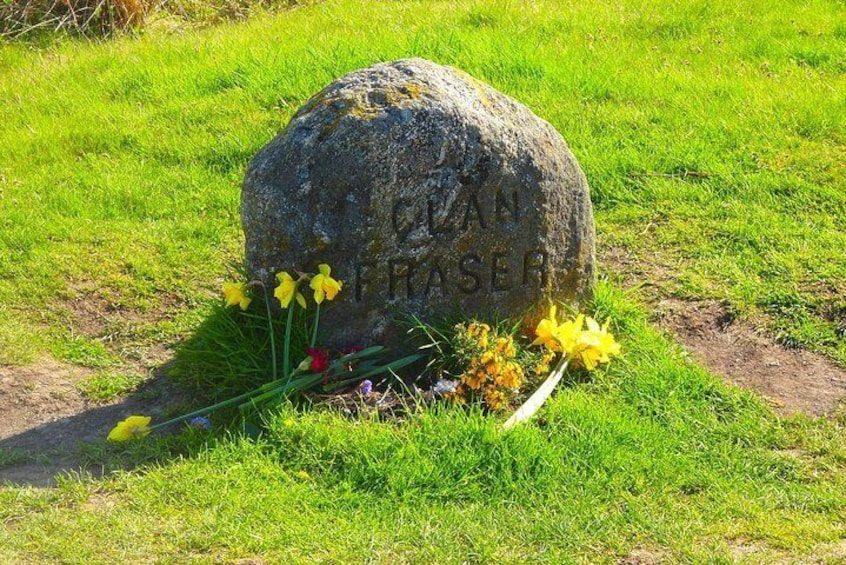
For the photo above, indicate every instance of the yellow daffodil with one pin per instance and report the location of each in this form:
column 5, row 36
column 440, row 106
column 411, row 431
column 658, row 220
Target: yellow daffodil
column 323, row 285
column 287, row 290
column 546, row 331
column 234, row 293
column 568, row 335
column 132, row 427
column 596, row 345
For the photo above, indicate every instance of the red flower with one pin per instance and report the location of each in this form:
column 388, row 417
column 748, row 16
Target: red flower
column 319, row 359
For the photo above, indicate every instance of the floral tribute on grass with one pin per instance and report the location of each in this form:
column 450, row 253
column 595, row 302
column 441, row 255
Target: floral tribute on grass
column 577, row 345
column 316, row 369
column 476, row 363
column 493, row 372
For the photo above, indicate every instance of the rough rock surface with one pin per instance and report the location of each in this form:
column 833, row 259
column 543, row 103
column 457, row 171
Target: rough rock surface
column 427, row 192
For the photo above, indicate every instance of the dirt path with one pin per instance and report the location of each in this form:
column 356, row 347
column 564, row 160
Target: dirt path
column 793, row 379
column 45, row 419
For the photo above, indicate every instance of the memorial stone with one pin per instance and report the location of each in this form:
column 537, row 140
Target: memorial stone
column 428, row 192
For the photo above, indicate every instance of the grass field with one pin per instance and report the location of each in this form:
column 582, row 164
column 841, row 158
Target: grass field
column 654, row 459
column 713, row 135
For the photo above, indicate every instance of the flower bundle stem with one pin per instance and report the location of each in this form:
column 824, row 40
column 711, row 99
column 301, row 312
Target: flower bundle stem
column 544, row 391
column 286, row 352
column 271, row 333
column 314, row 330
column 229, row 402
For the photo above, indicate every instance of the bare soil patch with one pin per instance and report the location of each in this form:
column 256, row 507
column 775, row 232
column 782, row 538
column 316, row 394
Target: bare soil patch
column 38, row 394
column 642, row 556
column 794, row 380
column 46, row 418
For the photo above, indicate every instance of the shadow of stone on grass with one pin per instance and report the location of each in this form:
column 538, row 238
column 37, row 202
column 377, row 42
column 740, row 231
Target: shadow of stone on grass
column 50, row 428
column 35, row 452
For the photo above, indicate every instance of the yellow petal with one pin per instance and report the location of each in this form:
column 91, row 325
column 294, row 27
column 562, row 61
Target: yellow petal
column 589, row 359
column 281, row 296
column 134, row 426
column 324, row 269
column 579, row 322
column 119, row 433
column 233, row 293
column 301, row 300
column 316, row 282
column 318, row 295
column 142, row 421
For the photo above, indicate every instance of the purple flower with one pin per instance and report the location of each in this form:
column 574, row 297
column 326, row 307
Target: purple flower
column 201, row 423
column 366, row 387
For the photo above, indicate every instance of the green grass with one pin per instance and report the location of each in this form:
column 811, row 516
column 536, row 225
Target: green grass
column 653, row 454
column 712, row 134
column 107, row 386
column 120, row 162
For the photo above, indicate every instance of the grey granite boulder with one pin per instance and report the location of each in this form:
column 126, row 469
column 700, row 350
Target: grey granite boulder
column 428, row 192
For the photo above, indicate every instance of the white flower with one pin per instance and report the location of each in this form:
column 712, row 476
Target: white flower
column 444, row 386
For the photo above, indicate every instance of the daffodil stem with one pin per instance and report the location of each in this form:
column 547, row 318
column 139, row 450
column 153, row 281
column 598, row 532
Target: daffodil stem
column 271, row 332
column 286, row 352
column 314, row 330
column 275, row 386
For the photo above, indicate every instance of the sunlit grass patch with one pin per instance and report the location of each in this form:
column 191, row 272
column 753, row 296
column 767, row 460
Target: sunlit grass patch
column 109, row 385
column 709, row 133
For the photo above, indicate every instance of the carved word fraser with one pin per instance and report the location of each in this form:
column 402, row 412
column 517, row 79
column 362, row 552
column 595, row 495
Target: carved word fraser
column 497, row 271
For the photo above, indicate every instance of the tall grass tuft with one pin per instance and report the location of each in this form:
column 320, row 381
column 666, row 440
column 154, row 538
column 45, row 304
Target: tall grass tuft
column 86, row 17
column 230, row 352
column 103, row 18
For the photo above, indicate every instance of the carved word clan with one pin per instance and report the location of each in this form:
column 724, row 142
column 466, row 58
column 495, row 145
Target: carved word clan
column 480, row 271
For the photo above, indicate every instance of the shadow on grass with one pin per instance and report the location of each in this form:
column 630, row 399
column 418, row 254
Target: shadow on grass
column 227, row 353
